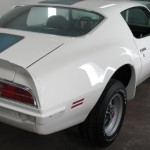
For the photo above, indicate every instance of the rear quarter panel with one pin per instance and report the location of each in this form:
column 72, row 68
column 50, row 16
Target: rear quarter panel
column 81, row 69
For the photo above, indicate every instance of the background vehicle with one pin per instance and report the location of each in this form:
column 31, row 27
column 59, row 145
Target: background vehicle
column 145, row 2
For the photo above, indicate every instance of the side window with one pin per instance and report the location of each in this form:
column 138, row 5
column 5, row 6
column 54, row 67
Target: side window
column 138, row 20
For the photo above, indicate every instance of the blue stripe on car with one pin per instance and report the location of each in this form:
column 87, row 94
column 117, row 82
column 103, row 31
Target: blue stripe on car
column 7, row 40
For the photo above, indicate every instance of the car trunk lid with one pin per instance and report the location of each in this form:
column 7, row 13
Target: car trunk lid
column 24, row 48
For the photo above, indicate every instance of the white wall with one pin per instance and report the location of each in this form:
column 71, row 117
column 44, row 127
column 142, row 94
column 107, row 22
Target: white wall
column 6, row 5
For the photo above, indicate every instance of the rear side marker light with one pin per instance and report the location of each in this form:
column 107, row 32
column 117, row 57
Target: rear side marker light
column 77, row 103
column 16, row 92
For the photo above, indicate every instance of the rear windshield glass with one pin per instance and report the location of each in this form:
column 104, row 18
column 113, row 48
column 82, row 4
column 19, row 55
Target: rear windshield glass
column 51, row 20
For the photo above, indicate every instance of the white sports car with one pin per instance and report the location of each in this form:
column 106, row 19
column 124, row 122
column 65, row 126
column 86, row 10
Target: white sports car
column 68, row 62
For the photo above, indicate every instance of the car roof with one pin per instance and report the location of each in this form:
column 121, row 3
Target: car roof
column 101, row 6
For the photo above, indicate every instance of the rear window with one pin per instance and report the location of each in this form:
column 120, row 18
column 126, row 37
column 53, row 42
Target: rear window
column 51, row 20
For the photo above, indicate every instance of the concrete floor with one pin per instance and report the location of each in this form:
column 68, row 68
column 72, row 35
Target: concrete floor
column 134, row 135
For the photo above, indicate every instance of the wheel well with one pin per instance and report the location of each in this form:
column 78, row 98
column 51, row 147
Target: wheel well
column 123, row 74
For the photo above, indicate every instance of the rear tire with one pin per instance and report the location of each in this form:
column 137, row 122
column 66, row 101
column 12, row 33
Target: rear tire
column 105, row 120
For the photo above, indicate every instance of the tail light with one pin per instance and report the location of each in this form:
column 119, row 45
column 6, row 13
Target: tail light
column 17, row 93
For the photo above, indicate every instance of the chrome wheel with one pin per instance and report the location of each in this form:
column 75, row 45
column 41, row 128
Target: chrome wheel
column 113, row 114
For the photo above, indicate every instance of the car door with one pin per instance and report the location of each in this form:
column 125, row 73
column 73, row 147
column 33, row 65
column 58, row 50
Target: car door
column 138, row 20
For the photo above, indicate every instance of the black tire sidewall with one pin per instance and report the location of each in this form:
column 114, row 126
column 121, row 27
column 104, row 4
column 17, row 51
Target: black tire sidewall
column 113, row 88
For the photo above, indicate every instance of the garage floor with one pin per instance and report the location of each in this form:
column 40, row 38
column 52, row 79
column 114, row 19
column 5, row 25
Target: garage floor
column 135, row 133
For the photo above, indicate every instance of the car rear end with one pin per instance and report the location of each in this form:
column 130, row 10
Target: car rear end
column 18, row 97
column 31, row 40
